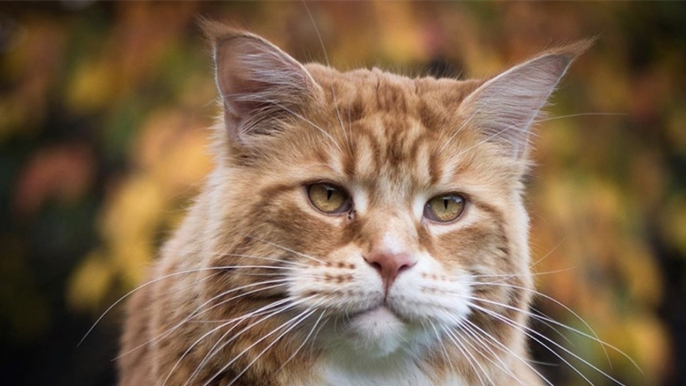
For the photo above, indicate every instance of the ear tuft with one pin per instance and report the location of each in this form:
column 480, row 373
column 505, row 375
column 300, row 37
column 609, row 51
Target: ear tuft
column 257, row 81
column 504, row 107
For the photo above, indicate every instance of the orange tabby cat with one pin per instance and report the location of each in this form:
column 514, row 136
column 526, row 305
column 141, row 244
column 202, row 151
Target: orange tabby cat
column 360, row 228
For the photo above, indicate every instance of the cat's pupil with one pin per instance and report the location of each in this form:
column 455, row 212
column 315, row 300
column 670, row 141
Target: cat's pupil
column 329, row 192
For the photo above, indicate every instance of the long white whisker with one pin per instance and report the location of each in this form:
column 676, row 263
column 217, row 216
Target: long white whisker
column 480, row 342
column 287, row 249
column 505, row 348
column 293, row 324
column 326, row 57
column 199, row 310
column 314, row 338
column 216, row 348
column 276, row 260
column 468, row 355
column 445, row 351
column 303, row 343
column 265, row 258
column 234, row 320
column 595, row 336
column 549, row 253
column 308, row 122
column 526, row 312
column 524, row 330
column 173, row 274
column 507, row 127
column 523, row 274
column 597, row 114
column 459, row 129
column 229, row 267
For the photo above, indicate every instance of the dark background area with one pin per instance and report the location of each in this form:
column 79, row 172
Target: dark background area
column 103, row 115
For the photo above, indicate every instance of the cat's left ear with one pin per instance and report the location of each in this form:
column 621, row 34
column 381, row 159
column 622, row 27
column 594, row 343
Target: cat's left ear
column 504, row 107
column 258, row 82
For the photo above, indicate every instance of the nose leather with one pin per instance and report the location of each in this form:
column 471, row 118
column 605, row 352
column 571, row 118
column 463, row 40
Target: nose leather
column 389, row 265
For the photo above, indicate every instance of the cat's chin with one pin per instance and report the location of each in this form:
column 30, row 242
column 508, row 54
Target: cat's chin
column 377, row 332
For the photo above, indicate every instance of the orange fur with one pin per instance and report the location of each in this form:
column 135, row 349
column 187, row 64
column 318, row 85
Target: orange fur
column 392, row 143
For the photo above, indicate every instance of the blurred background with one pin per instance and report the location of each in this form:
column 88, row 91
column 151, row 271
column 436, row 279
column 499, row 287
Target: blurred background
column 104, row 109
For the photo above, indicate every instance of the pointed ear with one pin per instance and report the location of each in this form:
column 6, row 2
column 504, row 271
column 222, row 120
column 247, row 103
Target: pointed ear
column 257, row 81
column 504, row 107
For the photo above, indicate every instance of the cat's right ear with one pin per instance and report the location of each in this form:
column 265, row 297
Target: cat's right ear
column 257, row 81
column 504, row 107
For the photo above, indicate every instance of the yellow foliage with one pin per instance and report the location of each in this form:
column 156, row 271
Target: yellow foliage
column 92, row 87
column 134, row 211
column 650, row 345
column 609, row 87
column 90, row 282
column 131, row 259
column 174, row 150
column 676, row 129
column 675, row 222
column 399, row 43
column 640, row 272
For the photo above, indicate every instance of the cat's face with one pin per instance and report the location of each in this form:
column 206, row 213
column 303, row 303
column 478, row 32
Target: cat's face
column 389, row 207
column 393, row 220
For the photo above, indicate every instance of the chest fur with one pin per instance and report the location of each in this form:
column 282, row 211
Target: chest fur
column 403, row 370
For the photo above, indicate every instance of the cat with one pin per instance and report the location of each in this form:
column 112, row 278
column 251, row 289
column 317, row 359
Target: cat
column 359, row 228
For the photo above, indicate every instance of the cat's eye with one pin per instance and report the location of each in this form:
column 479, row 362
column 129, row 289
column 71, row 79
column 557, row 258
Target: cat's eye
column 329, row 198
column 444, row 208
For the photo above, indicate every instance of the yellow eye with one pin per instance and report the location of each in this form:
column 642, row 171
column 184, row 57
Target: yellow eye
column 444, row 208
column 328, row 198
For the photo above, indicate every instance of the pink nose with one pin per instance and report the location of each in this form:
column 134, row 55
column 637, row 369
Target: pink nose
column 389, row 265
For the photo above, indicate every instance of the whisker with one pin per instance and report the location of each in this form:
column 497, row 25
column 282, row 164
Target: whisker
column 591, row 114
column 266, row 259
column 459, row 129
column 518, row 326
column 197, row 312
column 520, row 275
column 229, row 267
column 287, row 249
column 440, row 341
column 333, row 94
column 297, row 115
column 486, row 102
column 226, row 253
column 496, row 134
column 468, row 355
column 215, row 349
column 314, row 338
column 465, row 329
column 303, row 343
column 526, row 312
column 505, row 348
column 234, row 320
column 294, row 324
column 525, row 329
column 193, row 284
column 595, row 336
column 125, row 296
column 462, row 327
column 549, row 253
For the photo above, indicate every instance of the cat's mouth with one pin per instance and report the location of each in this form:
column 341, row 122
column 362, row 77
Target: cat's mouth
column 381, row 312
column 373, row 309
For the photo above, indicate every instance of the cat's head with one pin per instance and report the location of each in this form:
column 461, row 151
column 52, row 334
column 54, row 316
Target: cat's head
column 388, row 204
